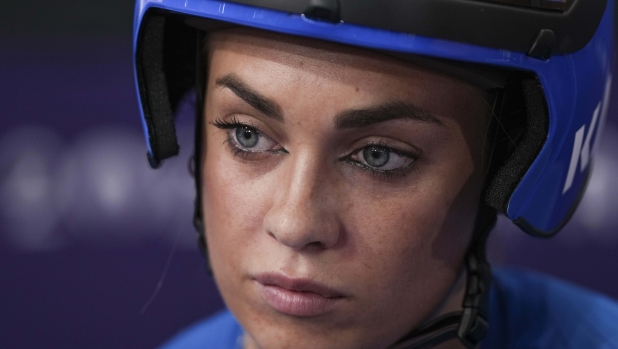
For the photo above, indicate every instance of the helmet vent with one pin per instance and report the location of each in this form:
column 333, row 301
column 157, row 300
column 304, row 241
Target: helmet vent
column 323, row 10
column 544, row 45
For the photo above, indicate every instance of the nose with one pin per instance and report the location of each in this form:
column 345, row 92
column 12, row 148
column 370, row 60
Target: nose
column 303, row 214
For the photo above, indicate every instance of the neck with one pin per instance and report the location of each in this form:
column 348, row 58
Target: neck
column 452, row 302
column 453, row 299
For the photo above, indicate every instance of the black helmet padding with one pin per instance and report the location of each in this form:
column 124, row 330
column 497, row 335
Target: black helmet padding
column 165, row 62
column 523, row 127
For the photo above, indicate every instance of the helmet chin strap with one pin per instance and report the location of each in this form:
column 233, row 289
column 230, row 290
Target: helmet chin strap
column 470, row 325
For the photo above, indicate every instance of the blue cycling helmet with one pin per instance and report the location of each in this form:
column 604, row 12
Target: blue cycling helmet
column 548, row 61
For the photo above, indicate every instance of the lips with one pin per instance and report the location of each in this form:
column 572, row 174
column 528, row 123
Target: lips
column 297, row 297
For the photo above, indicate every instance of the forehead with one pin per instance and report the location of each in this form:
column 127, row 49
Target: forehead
column 314, row 56
column 263, row 57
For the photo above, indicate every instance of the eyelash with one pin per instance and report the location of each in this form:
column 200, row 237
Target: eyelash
column 229, row 125
column 375, row 172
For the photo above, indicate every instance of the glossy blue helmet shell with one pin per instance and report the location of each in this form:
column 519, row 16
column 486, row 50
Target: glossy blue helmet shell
column 575, row 85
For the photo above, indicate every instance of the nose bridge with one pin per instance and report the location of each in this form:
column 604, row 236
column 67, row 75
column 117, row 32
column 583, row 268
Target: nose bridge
column 302, row 212
column 303, row 180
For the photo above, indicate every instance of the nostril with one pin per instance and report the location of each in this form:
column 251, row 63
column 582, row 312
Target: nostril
column 317, row 245
column 298, row 242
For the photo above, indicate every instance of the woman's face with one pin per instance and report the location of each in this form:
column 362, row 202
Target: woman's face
column 340, row 188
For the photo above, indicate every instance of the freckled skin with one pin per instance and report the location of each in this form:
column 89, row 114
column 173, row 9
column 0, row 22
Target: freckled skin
column 393, row 246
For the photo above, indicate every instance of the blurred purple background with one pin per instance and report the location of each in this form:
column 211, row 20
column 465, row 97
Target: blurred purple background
column 87, row 229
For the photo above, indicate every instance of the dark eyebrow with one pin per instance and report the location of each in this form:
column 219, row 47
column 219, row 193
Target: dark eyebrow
column 266, row 106
column 384, row 112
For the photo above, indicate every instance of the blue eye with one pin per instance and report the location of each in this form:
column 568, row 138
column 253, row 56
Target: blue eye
column 383, row 159
column 376, row 156
column 247, row 137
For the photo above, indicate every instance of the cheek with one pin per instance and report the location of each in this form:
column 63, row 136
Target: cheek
column 421, row 230
column 234, row 204
column 397, row 223
column 398, row 242
column 411, row 218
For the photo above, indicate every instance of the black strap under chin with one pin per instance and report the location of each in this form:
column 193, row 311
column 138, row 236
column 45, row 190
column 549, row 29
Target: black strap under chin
column 469, row 325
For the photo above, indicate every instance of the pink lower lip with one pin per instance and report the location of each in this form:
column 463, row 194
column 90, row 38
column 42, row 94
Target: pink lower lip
column 297, row 303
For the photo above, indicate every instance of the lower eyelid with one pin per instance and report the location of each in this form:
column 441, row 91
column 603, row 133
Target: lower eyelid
column 386, row 175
